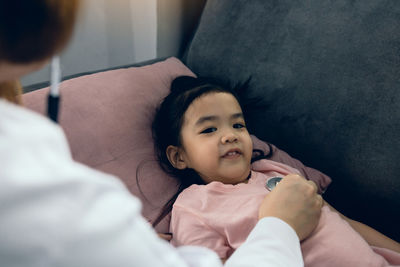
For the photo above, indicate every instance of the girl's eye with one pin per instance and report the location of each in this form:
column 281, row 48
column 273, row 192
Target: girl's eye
column 209, row 130
column 239, row 125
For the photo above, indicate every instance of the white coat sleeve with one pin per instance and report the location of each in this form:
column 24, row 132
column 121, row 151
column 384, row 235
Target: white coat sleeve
column 271, row 243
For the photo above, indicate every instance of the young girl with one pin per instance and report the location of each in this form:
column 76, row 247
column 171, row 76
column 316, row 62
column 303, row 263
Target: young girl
column 201, row 138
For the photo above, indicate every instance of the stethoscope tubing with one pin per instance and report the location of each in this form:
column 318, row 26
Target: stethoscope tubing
column 53, row 101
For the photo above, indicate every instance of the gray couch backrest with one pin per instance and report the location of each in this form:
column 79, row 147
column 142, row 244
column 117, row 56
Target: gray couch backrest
column 329, row 75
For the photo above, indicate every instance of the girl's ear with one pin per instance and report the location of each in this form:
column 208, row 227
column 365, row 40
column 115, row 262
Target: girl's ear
column 175, row 157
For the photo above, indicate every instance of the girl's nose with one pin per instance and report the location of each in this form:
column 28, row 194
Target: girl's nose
column 229, row 138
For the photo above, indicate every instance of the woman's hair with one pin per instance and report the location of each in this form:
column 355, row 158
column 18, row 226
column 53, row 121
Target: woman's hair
column 32, row 31
column 168, row 122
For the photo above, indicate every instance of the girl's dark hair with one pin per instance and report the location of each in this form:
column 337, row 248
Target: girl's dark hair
column 168, row 122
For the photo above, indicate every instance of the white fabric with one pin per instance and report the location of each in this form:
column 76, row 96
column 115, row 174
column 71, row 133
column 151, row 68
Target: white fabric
column 271, row 241
column 57, row 212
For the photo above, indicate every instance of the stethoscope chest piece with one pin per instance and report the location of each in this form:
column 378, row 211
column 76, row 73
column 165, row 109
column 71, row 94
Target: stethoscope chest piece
column 272, row 182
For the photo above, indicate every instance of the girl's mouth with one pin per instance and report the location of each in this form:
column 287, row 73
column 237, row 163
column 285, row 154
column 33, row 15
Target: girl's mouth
column 232, row 154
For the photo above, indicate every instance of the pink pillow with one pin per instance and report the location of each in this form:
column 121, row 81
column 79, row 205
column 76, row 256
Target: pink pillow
column 107, row 119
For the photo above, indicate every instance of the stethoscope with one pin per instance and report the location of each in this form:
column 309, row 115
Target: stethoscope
column 272, row 182
column 53, row 99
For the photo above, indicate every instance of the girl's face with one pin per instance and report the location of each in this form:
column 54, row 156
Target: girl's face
column 215, row 141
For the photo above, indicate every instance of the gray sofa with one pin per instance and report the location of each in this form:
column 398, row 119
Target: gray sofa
column 328, row 73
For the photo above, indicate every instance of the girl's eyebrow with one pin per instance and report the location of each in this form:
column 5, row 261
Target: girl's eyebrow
column 214, row 118
column 237, row 115
column 202, row 120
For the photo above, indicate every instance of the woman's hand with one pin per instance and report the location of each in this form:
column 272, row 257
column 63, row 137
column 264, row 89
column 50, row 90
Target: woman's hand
column 295, row 201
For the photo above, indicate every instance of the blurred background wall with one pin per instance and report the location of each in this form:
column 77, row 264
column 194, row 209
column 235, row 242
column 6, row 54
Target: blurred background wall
column 111, row 33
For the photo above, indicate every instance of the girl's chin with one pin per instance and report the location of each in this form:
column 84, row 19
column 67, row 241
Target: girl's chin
column 229, row 176
column 238, row 179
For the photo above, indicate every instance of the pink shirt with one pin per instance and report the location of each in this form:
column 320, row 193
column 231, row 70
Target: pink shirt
column 221, row 216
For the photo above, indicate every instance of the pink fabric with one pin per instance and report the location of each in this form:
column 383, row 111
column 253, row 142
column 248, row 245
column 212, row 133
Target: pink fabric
column 220, row 217
column 335, row 243
column 391, row 256
column 204, row 215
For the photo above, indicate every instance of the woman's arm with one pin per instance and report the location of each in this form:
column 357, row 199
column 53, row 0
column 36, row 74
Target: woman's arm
column 373, row 237
column 271, row 243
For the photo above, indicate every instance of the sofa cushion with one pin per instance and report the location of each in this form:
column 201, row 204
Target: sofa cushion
column 328, row 73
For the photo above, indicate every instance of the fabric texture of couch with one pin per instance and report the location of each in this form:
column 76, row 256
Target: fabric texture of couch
column 329, row 75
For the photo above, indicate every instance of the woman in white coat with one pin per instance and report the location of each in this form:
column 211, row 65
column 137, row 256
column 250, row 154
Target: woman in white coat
column 57, row 212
